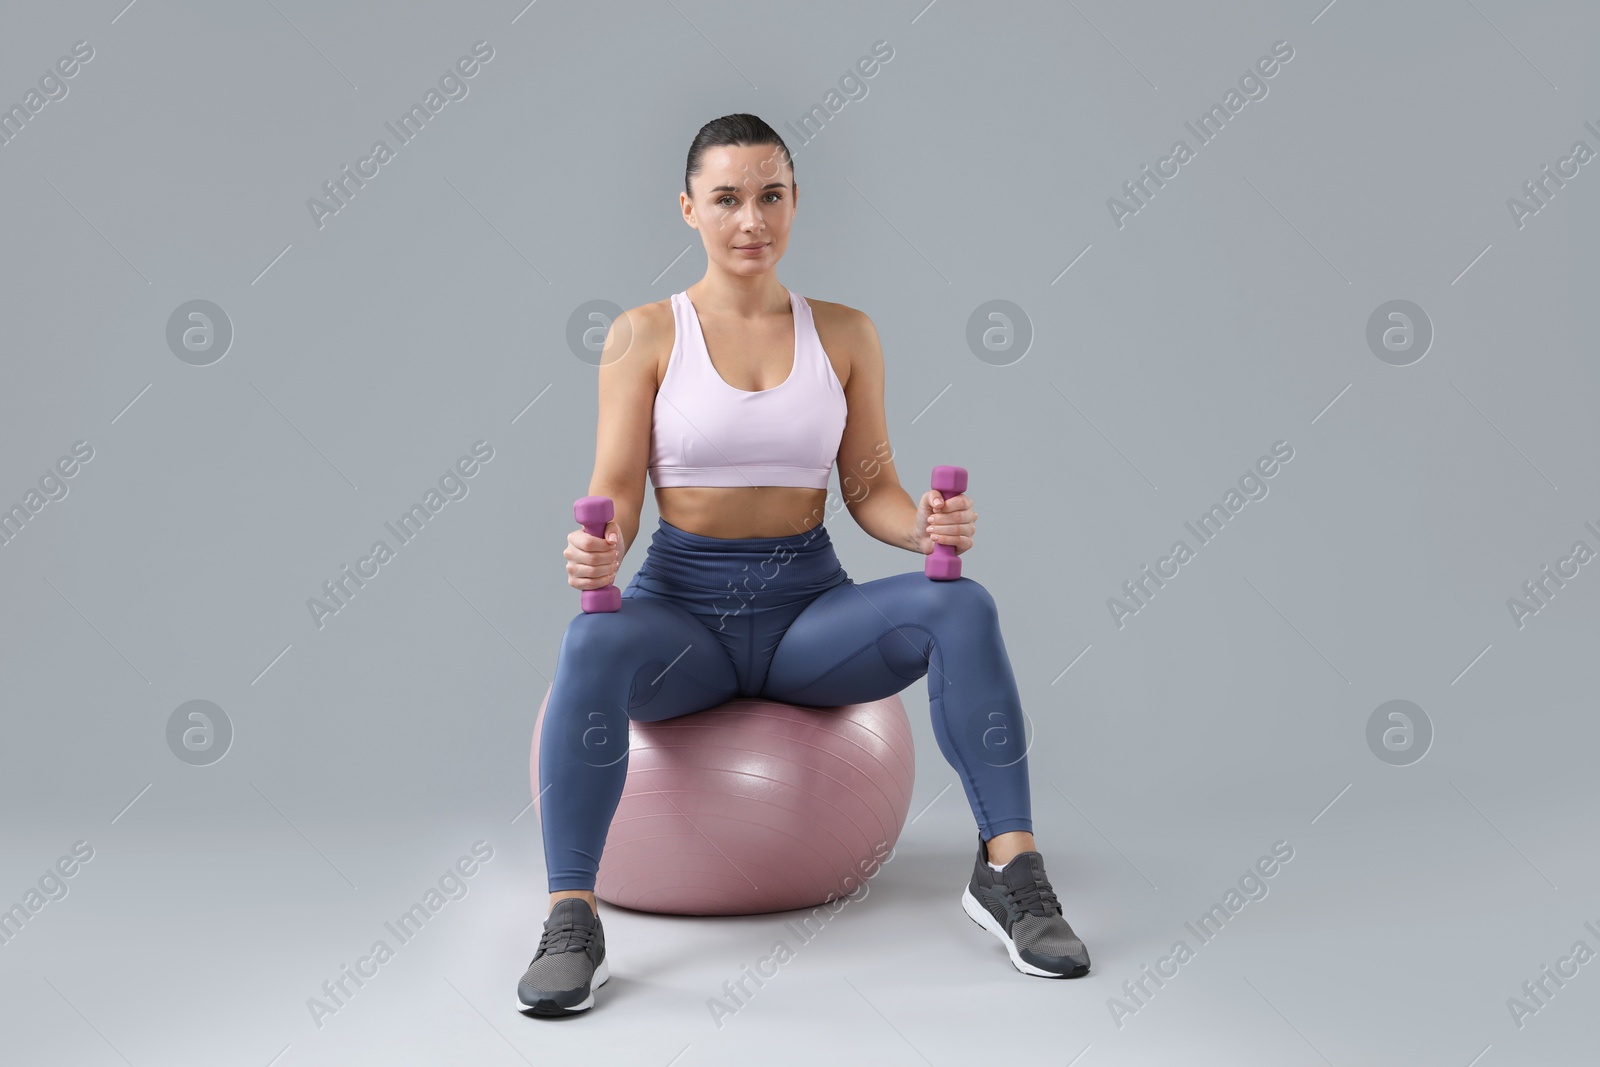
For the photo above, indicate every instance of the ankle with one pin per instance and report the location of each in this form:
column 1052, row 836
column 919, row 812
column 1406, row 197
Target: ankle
column 582, row 894
column 1003, row 848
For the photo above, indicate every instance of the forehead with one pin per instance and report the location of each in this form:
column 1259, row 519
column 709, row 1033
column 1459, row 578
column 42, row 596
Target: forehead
column 744, row 167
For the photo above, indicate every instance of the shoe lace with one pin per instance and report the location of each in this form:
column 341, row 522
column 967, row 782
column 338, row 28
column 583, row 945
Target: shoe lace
column 1037, row 898
column 566, row 937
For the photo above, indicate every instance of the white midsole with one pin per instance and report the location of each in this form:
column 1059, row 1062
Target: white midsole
column 980, row 915
column 601, row 973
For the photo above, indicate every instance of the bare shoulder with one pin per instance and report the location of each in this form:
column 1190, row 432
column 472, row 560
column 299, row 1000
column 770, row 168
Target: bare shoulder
column 847, row 334
column 850, row 324
column 646, row 331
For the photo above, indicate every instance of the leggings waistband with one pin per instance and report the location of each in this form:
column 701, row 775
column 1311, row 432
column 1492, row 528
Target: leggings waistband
column 677, row 557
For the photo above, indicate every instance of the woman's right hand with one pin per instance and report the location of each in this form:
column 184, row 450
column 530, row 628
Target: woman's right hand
column 592, row 562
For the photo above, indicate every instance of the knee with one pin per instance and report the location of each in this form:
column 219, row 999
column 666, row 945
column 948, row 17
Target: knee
column 932, row 604
column 592, row 649
column 967, row 600
column 608, row 655
column 594, row 637
column 941, row 607
column 585, row 715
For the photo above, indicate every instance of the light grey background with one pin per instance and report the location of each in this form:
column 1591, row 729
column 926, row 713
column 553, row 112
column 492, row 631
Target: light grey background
column 370, row 354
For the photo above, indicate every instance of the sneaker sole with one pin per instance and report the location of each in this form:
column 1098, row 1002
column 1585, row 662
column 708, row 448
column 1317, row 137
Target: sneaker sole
column 980, row 915
column 550, row 1007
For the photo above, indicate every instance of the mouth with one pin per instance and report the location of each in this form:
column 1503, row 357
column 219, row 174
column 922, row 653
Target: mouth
column 751, row 248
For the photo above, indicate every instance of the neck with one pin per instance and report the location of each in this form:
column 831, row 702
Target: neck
column 738, row 295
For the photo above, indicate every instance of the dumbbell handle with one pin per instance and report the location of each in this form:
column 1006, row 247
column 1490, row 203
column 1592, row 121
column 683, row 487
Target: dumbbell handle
column 592, row 513
column 943, row 564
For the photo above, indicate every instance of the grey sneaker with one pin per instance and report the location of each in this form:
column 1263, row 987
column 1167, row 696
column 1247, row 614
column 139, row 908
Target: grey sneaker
column 1018, row 906
column 570, row 964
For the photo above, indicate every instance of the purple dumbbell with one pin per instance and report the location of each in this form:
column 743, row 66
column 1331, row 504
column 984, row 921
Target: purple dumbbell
column 943, row 564
column 592, row 513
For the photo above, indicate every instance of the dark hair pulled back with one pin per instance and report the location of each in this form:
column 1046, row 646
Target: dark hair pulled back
column 738, row 131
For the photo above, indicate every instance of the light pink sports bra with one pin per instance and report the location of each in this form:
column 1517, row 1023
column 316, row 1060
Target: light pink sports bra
column 707, row 432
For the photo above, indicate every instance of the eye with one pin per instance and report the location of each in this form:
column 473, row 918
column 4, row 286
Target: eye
column 722, row 201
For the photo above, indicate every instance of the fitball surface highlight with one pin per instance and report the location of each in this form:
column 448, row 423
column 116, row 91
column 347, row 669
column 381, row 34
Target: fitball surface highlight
column 754, row 806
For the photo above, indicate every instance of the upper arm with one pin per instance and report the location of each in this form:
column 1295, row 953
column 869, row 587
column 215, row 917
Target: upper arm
column 627, row 402
column 865, row 455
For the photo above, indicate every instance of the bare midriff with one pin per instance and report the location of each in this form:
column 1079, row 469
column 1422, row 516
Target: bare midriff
column 742, row 511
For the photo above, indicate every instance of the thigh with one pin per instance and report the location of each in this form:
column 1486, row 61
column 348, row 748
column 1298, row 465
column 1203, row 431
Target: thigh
column 858, row 642
column 652, row 656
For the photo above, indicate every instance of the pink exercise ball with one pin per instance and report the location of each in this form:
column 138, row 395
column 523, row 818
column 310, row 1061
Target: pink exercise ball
column 754, row 806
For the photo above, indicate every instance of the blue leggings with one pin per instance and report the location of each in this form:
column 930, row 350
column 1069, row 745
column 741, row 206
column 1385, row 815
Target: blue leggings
column 706, row 619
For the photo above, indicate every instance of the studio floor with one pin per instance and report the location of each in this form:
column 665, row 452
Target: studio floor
column 1384, row 939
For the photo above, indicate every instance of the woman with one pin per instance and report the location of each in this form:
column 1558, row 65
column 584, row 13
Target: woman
column 737, row 396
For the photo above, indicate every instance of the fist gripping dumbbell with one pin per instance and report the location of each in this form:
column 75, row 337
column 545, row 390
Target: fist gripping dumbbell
column 943, row 564
column 592, row 513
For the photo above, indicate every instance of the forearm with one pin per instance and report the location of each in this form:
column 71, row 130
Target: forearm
column 889, row 514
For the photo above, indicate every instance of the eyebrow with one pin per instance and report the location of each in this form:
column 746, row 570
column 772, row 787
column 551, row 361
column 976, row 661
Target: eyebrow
column 764, row 188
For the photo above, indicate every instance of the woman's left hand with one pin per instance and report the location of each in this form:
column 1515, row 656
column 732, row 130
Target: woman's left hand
column 944, row 520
